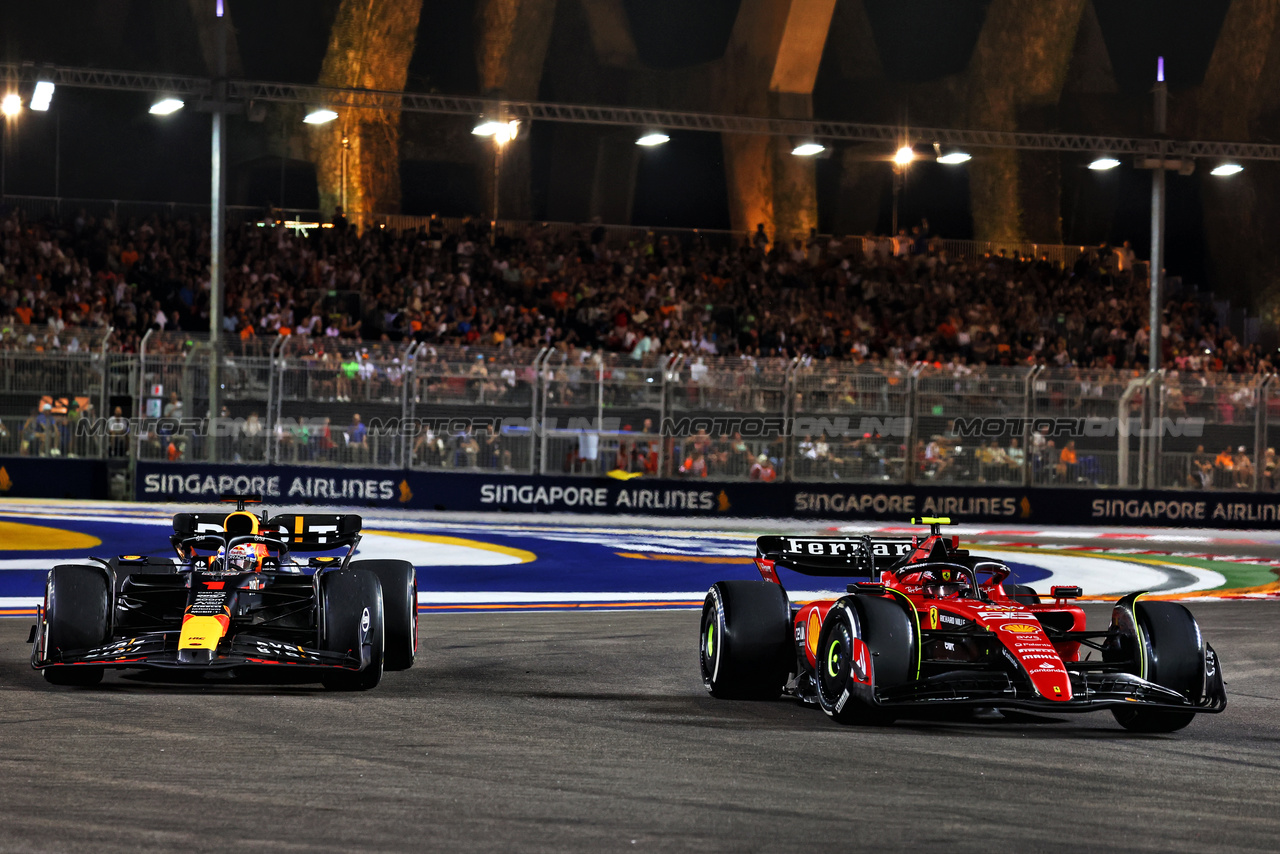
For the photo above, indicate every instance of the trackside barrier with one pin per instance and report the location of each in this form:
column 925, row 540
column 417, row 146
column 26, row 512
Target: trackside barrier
column 497, row 492
column 406, row 405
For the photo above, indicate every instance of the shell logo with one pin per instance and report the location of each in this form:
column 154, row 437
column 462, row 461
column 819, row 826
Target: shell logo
column 812, row 631
column 1019, row 628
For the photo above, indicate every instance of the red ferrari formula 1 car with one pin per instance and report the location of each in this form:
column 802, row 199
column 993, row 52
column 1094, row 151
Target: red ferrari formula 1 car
column 937, row 627
column 234, row 601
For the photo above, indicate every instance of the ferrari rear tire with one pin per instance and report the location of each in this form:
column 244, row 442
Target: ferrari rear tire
column 1175, row 660
column 77, row 618
column 855, row 659
column 353, row 624
column 400, row 608
column 746, row 650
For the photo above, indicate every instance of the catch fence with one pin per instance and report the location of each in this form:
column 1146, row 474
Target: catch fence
column 393, row 405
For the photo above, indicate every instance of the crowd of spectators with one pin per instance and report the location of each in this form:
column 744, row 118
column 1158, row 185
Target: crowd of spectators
column 899, row 299
column 351, row 303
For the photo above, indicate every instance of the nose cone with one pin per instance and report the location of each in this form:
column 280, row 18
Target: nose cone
column 1026, row 640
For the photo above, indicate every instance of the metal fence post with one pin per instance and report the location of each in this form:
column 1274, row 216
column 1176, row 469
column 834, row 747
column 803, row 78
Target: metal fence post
column 408, row 394
column 599, row 399
column 1122, row 414
column 544, row 380
column 280, row 367
column 535, row 424
column 102, row 398
column 1260, row 432
column 913, row 435
column 1157, row 425
column 1032, row 373
column 136, row 445
column 788, row 416
column 272, row 395
column 666, row 362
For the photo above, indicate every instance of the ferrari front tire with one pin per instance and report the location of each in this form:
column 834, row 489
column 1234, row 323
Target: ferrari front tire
column 77, row 618
column 746, row 650
column 353, row 624
column 1175, row 660
column 866, row 643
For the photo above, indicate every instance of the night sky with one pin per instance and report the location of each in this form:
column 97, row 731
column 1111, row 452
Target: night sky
column 104, row 145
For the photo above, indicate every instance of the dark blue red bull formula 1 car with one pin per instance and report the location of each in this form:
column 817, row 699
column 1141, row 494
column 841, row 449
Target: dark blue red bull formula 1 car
column 936, row 627
column 234, row 601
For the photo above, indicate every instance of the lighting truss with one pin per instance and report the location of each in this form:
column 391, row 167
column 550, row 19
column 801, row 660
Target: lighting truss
column 198, row 90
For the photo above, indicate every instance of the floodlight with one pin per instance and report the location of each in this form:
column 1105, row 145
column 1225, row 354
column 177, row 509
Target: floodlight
column 11, row 105
column 1102, row 164
column 653, row 138
column 319, row 116
column 42, row 96
column 1226, row 169
column 504, row 133
column 165, row 106
column 951, row 158
column 903, row 156
column 808, row 149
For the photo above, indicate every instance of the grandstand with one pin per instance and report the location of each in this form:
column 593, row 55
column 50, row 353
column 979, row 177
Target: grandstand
column 572, row 351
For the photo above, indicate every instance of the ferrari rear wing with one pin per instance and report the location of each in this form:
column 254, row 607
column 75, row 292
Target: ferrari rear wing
column 834, row 557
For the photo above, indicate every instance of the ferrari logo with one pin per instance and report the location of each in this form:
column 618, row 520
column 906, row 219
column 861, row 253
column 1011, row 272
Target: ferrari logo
column 933, row 618
column 946, row 575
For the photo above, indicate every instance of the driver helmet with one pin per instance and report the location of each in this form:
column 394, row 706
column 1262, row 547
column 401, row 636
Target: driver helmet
column 944, row 584
column 246, row 557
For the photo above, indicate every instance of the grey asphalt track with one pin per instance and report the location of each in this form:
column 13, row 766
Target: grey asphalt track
column 591, row 731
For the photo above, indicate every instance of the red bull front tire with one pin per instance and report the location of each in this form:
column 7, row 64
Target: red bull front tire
column 77, row 616
column 353, row 624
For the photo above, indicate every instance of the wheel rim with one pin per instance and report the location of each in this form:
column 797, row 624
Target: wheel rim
column 709, row 648
column 834, row 656
column 833, row 674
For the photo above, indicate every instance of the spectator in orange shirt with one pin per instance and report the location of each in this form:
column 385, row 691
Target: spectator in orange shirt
column 1223, row 469
column 695, row 466
column 560, row 299
column 1067, row 462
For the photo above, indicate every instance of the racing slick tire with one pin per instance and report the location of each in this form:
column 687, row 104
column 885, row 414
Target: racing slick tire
column 353, row 622
column 1175, row 660
column 854, row 661
column 1022, row 594
column 77, row 617
column 746, row 649
column 400, row 609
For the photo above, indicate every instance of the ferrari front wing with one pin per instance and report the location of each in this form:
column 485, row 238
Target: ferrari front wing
column 1091, row 691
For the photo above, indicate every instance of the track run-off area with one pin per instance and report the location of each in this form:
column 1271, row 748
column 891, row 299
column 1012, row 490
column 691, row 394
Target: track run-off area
column 556, row 705
column 469, row 562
